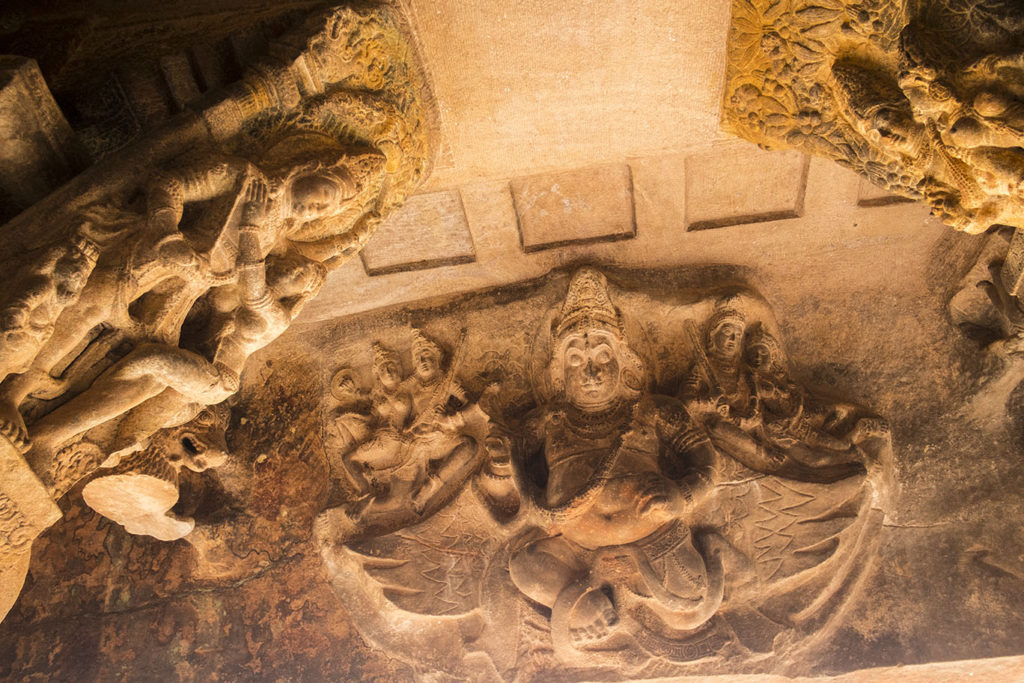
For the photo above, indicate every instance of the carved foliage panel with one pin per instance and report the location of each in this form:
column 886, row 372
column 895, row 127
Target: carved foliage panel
column 923, row 99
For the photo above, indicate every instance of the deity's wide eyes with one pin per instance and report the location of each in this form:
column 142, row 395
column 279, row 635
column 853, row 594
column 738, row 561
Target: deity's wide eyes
column 574, row 358
column 603, row 356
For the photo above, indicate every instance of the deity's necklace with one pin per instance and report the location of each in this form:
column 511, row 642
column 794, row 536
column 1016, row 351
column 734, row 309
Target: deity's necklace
column 593, row 425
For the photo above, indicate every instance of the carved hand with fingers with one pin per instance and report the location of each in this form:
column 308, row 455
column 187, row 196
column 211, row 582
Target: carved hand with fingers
column 254, row 211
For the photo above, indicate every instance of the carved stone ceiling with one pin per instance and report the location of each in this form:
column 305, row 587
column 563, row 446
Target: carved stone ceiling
column 530, row 89
column 590, row 132
column 612, row 396
column 535, row 86
column 730, row 203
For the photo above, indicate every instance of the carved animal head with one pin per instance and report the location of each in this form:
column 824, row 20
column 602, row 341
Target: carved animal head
column 199, row 444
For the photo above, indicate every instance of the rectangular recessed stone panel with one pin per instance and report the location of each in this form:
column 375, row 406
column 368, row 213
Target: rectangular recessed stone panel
column 590, row 205
column 869, row 194
column 428, row 232
column 745, row 185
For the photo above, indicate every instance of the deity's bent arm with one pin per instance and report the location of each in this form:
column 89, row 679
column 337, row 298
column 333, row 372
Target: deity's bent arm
column 169, row 191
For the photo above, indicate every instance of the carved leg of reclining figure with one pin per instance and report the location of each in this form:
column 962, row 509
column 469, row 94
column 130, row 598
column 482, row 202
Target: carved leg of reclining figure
column 551, row 572
column 139, row 376
column 822, row 457
column 345, row 467
column 439, row 471
column 543, row 569
column 736, row 443
column 74, row 327
column 688, row 613
column 169, row 408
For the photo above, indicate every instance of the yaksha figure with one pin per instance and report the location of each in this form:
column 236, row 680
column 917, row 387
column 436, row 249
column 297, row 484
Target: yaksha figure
column 156, row 385
column 618, row 550
column 151, row 276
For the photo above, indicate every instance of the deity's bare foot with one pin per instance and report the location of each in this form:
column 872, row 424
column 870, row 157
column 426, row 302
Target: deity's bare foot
column 592, row 620
column 868, row 428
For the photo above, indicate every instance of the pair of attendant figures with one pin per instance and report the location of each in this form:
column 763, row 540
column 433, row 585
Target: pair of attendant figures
column 741, row 391
column 416, row 431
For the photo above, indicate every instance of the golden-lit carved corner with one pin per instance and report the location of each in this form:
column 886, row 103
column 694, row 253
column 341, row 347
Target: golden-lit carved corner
column 924, row 99
column 138, row 290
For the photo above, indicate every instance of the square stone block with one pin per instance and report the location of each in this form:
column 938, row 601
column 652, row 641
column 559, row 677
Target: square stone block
column 590, row 205
column 428, row 232
column 743, row 185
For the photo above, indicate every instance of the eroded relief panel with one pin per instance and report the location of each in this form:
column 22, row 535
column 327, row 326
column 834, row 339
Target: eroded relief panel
column 635, row 484
column 138, row 291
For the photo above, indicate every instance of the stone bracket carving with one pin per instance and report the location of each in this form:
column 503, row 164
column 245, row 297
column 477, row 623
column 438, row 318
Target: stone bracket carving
column 923, row 99
column 141, row 288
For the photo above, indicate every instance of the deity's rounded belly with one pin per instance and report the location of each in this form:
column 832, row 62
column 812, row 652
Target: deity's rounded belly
column 624, row 510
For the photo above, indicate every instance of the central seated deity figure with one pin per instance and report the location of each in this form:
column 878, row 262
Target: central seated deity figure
column 617, row 520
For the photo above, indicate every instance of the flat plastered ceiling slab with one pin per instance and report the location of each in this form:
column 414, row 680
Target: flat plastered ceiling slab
column 533, row 86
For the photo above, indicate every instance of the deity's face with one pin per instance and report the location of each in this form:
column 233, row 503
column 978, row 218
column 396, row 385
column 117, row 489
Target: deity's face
column 591, row 369
column 765, row 356
column 73, row 270
column 428, row 364
column 727, row 338
column 314, row 196
column 760, row 357
column 389, row 374
column 291, row 274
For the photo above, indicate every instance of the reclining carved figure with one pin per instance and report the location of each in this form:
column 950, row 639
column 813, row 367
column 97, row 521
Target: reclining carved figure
column 155, row 274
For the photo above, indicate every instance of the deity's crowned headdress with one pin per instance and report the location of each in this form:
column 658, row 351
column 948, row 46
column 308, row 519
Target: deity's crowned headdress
column 762, row 338
column 727, row 310
column 421, row 343
column 382, row 355
column 587, row 304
